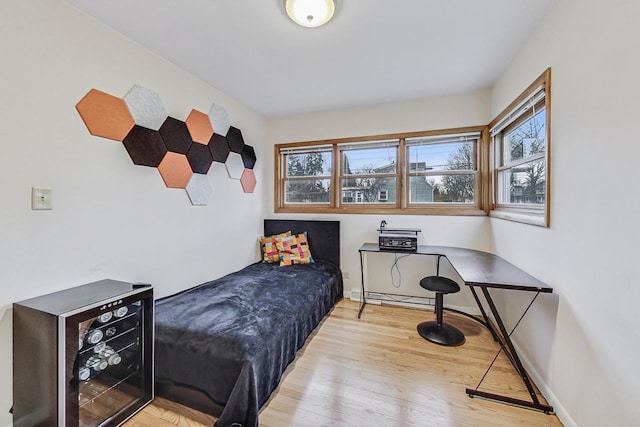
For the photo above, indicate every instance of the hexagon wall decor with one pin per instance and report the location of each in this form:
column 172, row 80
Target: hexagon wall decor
column 219, row 148
column 248, row 181
column 182, row 151
column 145, row 146
column 199, row 190
column 199, row 127
column 219, row 120
column 105, row 115
column 175, row 135
column 235, row 139
column 234, row 165
column 248, row 156
column 175, row 170
column 200, row 158
column 145, row 107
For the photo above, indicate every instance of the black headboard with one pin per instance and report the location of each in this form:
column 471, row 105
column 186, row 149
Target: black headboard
column 323, row 236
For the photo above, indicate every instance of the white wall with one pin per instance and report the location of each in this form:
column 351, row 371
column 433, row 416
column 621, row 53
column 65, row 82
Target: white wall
column 590, row 361
column 114, row 219
column 110, row 219
column 470, row 109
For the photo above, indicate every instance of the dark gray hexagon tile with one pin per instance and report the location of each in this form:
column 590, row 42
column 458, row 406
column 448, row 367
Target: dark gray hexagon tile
column 199, row 158
column 219, row 148
column 248, row 156
column 145, row 146
column 236, row 142
column 176, row 135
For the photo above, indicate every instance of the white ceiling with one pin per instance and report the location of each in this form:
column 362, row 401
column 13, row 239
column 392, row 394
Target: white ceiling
column 373, row 51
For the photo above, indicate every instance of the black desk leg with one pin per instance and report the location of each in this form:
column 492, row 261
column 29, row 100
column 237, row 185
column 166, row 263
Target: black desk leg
column 515, row 360
column 363, row 300
column 484, row 315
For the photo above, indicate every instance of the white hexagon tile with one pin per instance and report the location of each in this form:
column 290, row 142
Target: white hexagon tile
column 199, row 190
column 219, row 120
column 235, row 165
column 145, row 107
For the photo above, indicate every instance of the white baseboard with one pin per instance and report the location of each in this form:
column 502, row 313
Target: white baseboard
column 379, row 298
column 558, row 408
column 355, row 296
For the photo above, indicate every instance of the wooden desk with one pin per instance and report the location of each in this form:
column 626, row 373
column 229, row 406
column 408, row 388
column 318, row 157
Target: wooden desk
column 484, row 271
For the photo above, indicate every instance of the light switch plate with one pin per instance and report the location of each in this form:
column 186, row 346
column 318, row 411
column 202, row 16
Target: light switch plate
column 41, row 199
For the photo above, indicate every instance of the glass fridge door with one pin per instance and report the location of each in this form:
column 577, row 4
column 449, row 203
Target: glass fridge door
column 108, row 363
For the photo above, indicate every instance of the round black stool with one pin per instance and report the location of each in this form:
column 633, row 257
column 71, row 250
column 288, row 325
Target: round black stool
column 437, row 331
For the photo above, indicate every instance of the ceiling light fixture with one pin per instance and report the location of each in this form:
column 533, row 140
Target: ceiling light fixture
column 310, row 13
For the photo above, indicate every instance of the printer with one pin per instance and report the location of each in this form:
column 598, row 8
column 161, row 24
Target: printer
column 398, row 239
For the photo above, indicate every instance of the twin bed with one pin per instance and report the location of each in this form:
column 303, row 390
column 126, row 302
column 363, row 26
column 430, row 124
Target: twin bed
column 221, row 347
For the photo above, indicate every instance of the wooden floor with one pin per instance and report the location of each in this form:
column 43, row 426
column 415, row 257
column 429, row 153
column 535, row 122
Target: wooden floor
column 377, row 371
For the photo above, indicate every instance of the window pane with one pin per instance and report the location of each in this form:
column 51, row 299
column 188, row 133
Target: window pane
column 526, row 140
column 524, row 184
column 369, row 161
column 369, row 190
column 443, row 156
column 308, row 164
column 457, row 188
column 307, row 191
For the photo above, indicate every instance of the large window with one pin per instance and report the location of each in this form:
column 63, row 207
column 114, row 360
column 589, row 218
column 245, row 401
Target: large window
column 434, row 172
column 520, row 153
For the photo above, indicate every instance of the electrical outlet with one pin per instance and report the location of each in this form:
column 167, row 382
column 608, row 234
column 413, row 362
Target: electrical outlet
column 41, row 199
column 345, row 274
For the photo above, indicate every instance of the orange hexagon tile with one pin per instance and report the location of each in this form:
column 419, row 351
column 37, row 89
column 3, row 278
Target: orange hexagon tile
column 199, row 127
column 175, row 170
column 248, row 181
column 105, row 115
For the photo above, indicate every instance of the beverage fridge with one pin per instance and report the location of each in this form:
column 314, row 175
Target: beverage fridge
column 83, row 357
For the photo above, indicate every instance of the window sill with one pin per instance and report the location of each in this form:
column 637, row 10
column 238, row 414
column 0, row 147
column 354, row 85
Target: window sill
column 432, row 210
column 524, row 216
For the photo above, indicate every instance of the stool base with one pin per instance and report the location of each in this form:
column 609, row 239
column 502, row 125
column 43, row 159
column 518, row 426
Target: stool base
column 442, row 334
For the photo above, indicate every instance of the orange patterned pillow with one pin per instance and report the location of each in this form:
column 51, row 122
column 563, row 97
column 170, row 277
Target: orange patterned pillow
column 270, row 248
column 294, row 250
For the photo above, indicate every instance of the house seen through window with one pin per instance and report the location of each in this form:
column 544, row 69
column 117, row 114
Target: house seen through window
column 443, row 169
column 367, row 171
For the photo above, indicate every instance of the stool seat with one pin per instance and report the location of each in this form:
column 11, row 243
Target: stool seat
column 437, row 331
column 440, row 284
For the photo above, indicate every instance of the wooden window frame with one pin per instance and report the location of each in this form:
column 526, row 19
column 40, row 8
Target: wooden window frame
column 482, row 196
column 539, row 216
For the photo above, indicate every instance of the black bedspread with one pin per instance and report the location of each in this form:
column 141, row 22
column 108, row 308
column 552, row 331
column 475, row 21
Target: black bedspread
column 232, row 338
